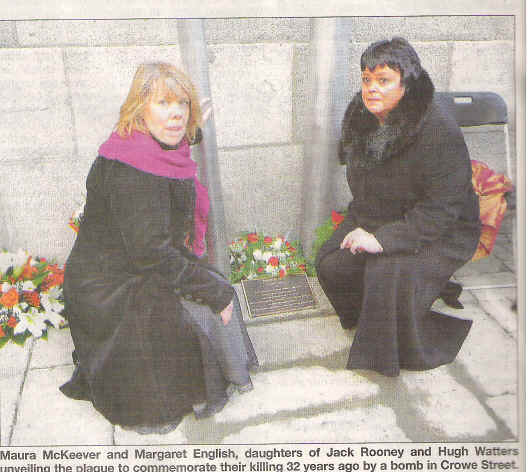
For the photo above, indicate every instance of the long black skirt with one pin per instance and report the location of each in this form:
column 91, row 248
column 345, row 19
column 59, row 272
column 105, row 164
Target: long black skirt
column 158, row 359
column 389, row 299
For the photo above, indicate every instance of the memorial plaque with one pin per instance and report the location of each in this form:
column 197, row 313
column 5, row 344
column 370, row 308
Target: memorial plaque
column 275, row 296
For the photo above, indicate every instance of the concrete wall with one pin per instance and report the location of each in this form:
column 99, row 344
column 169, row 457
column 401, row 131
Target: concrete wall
column 62, row 83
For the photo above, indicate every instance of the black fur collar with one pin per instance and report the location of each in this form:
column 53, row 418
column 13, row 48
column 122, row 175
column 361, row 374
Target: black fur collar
column 364, row 144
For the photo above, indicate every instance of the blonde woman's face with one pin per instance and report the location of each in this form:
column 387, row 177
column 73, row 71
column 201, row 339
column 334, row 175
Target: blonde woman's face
column 167, row 114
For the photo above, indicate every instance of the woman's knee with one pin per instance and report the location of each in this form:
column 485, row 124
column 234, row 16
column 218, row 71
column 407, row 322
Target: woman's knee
column 325, row 267
column 340, row 264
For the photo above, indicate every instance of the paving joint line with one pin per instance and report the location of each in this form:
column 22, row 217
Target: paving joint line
column 20, row 393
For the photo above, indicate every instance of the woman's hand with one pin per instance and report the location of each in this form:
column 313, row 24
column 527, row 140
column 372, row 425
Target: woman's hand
column 226, row 313
column 361, row 241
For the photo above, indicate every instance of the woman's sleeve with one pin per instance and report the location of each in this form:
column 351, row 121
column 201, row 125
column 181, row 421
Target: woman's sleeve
column 445, row 177
column 140, row 207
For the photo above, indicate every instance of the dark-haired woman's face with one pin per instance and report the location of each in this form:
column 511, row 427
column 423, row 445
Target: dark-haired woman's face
column 381, row 90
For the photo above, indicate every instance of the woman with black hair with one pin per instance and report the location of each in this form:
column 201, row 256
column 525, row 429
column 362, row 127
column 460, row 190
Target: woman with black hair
column 413, row 220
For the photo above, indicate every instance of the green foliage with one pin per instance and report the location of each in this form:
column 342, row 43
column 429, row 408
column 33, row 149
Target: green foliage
column 322, row 233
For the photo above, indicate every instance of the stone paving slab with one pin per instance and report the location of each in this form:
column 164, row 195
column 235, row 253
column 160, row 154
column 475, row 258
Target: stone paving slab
column 489, row 265
column 489, row 354
column 298, row 340
column 47, row 417
column 477, row 280
column 296, row 388
column 53, row 352
column 376, row 424
column 505, row 407
column 501, row 311
column 14, row 358
column 450, row 410
column 507, row 295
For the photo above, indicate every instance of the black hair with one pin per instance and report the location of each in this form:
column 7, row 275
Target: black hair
column 398, row 54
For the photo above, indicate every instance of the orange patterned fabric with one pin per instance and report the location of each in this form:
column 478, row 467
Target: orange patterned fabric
column 490, row 188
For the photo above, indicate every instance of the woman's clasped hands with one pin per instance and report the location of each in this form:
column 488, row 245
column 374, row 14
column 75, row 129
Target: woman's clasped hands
column 360, row 240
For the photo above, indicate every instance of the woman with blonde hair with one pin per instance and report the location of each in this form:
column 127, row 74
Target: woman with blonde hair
column 157, row 331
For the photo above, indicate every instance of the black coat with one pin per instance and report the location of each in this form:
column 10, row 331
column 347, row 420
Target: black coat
column 411, row 187
column 140, row 363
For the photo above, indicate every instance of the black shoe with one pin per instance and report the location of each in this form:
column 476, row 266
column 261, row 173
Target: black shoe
column 76, row 388
column 450, row 294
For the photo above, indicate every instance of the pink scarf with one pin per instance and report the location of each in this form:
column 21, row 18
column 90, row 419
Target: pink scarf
column 142, row 152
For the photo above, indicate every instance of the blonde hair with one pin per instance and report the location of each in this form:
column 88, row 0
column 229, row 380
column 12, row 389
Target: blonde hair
column 149, row 79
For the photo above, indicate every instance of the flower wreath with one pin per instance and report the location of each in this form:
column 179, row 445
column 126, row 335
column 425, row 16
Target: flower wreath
column 30, row 297
column 254, row 255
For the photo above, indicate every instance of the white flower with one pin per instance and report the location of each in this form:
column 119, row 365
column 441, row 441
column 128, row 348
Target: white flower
column 5, row 287
column 277, row 243
column 257, row 255
column 269, row 269
column 243, row 258
column 266, row 256
column 28, row 285
column 32, row 322
column 50, row 300
column 55, row 319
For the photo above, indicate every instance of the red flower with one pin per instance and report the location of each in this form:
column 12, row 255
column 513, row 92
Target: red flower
column 32, row 298
column 337, row 218
column 29, row 271
column 273, row 261
column 56, row 277
column 252, row 237
column 282, row 273
column 268, row 240
column 302, row 267
column 2, row 333
column 12, row 322
column 10, row 298
column 55, row 269
column 291, row 249
column 260, row 269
